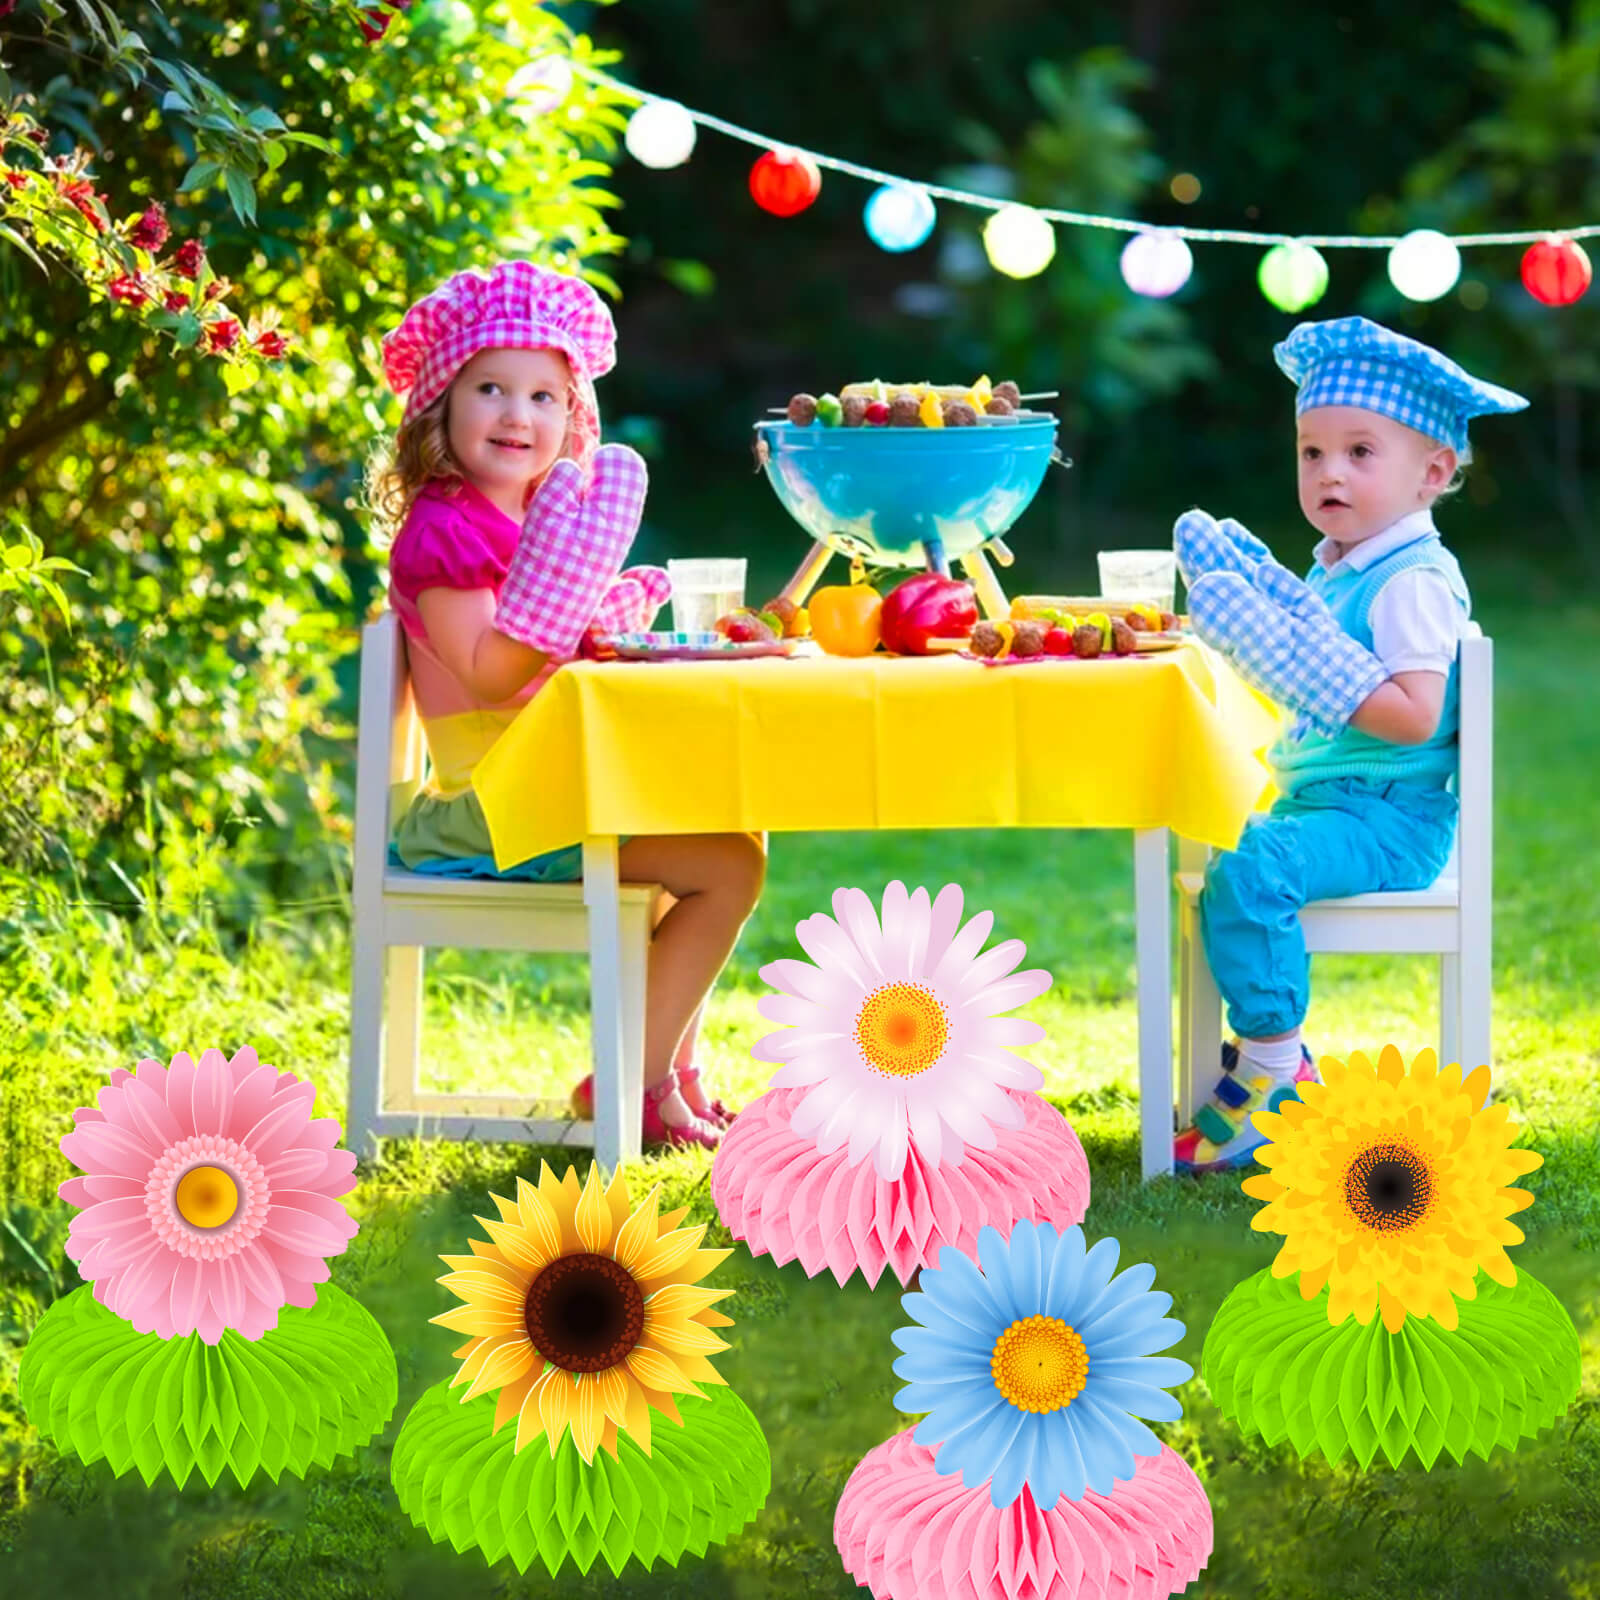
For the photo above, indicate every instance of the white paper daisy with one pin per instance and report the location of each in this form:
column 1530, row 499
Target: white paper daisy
column 898, row 1029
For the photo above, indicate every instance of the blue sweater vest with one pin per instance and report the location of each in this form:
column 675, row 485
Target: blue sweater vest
column 1353, row 754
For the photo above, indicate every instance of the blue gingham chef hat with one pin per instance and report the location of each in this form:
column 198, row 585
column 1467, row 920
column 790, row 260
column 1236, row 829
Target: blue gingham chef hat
column 1353, row 362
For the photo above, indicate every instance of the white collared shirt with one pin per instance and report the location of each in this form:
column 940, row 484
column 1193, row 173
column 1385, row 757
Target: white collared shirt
column 1416, row 623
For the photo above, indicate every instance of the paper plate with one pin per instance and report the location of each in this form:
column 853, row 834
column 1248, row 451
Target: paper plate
column 668, row 646
column 700, row 1484
column 317, row 1386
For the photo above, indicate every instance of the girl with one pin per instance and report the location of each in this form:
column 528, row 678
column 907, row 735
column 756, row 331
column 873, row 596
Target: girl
column 513, row 523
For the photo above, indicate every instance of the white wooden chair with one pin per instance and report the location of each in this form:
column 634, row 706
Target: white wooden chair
column 398, row 914
column 1452, row 919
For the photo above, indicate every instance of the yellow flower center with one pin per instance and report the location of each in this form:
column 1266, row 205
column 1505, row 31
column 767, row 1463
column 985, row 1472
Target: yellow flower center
column 206, row 1197
column 1039, row 1364
column 902, row 1029
column 1389, row 1186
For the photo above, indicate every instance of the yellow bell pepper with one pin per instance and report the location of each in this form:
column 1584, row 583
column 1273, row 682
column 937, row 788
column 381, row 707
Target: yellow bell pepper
column 931, row 411
column 846, row 619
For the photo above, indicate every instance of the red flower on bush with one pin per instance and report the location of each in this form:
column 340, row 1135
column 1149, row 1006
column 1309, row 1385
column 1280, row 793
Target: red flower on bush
column 128, row 290
column 377, row 22
column 223, row 334
column 17, row 178
column 7, row 7
column 175, row 300
column 272, row 345
column 150, row 232
column 80, row 192
column 39, row 136
column 191, row 257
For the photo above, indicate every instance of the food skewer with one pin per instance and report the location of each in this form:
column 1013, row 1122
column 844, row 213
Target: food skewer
column 1043, row 394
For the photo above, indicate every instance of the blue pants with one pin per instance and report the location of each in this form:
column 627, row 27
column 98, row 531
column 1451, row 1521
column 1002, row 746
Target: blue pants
column 1334, row 837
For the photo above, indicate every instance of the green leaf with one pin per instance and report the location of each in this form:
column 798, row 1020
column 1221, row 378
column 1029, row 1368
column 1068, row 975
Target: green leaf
column 312, row 140
column 267, row 121
column 239, row 376
column 275, row 153
column 8, row 232
column 201, row 175
column 242, row 193
column 188, row 330
column 176, row 100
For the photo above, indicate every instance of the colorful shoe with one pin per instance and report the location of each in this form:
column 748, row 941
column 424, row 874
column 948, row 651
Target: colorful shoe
column 1223, row 1134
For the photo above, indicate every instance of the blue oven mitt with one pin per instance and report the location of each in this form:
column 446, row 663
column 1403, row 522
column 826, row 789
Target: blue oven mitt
column 1202, row 545
column 1282, row 638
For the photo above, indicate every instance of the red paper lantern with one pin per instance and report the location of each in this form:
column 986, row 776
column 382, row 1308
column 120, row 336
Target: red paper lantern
column 1556, row 271
column 784, row 183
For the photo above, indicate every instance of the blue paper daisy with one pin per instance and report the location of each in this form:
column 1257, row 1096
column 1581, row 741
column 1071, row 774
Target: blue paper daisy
column 1034, row 1365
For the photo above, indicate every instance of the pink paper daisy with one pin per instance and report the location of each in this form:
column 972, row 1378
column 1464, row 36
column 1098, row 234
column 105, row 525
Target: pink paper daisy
column 897, row 1030
column 209, row 1197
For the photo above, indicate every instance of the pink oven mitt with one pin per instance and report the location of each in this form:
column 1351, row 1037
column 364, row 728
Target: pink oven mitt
column 573, row 542
column 628, row 606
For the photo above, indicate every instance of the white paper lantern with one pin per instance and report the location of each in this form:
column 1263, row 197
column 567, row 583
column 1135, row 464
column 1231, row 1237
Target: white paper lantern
column 899, row 216
column 660, row 134
column 1019, row 241
column 1424, row 265
column 540, row 86
column 1156, row 263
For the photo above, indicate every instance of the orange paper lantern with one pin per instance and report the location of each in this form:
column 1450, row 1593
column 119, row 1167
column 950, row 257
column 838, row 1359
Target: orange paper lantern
column 784, row 182
column 1556, row 271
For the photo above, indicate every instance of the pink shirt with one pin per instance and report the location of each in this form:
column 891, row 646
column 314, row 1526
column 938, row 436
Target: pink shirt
column 453, row 541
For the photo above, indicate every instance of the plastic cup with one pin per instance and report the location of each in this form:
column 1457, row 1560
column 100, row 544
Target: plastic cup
column 704, row 589
column 1147, row 576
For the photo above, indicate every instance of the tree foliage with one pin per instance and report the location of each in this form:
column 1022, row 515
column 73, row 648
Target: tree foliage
column 219, row 522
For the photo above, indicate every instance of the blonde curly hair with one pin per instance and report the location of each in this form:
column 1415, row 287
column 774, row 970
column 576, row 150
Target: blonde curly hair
column 420, row 454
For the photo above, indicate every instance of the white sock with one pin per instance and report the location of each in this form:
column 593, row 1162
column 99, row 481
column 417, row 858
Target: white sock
column 1279, row 1058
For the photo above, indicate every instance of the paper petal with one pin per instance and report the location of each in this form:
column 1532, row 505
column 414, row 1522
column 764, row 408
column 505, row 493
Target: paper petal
column 782, row 1197
column 469, row 1485
column 1277, row 1367
column 317, row 1386
column 902, row 1529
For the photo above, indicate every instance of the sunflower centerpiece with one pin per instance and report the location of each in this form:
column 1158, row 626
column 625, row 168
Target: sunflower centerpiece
column 590, row 1331
column 1392, row 1318
column 1030, row 1473
column 208, row 1205
column 901, row 1117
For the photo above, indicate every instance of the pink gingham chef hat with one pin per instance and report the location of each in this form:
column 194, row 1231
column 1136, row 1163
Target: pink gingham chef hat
column 516, row 305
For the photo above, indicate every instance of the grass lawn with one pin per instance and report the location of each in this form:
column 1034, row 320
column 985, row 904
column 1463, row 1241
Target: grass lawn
column 811, row 1360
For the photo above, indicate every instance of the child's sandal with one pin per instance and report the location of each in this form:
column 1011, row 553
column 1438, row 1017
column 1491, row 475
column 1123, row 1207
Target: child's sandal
column 696, row 1131
column 717, row 1112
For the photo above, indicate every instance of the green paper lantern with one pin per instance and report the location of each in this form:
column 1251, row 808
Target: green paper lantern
column 1293, row 276
column 1276, row 1367
column 463, row 1483
column 317, row 1386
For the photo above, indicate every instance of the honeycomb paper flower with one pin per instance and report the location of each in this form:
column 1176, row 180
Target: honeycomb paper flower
column 895, row 1049
column 898, row 1030
column 590, row 1330
column 1391, row 1321
column 210, row 1198
column 201, row 1341
column 1392, row 1188
column 584, row 1312
column 1033, row 1366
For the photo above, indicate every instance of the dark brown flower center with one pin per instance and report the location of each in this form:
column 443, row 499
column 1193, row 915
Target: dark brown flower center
column 1388, row 1187
column 584, row 1313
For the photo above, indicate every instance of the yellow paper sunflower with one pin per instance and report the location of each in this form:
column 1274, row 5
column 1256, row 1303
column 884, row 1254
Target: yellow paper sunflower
column 1391, row 1188
column 584, row 1312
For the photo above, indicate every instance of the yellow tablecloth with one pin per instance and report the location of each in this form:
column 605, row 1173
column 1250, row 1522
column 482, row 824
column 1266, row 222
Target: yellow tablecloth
column 821, row 743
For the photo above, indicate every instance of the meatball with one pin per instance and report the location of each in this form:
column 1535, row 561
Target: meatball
column 905, row 411
column 1029, row 638
column 1000, row 407
column 1123, row 639
column 855, row 410
column 803, row 410
column 1087, row 641
column 987, row 640
column 958, row 414
column 1010, row 393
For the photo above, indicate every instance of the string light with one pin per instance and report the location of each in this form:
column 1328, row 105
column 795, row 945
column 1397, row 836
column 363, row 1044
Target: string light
column 1556, row 271
column 660, row 134
column 899, row 216
column 1423, row 264
column 1293, row 276
column 1156, row 263
column 1019, row 241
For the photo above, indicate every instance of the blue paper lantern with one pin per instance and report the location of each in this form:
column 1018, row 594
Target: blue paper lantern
column 899, row 216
